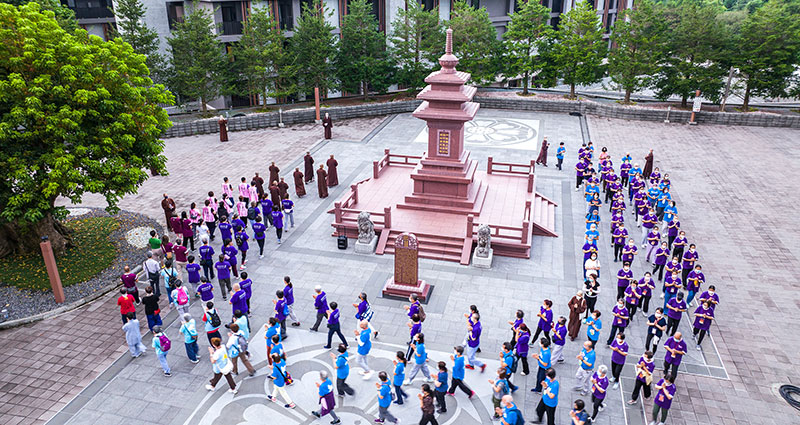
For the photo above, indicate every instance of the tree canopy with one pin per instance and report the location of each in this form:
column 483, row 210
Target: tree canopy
column 132, row 29
column 417, row 40
column 362, row 62
column 579, row 49
column 475, row 42
column 314, row 48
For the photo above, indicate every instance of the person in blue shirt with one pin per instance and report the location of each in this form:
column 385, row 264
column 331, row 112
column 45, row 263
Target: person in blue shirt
column 458, row 373
column 272, row 327
column 578, row 415
column 549, row 399
column 508, row 360
column 342, row 371
column 440, row 387
column 593, row 327
column 508, row 414
column 326, row 399
column 364, row 345
column 399, row 376
column 543, row 358
column 279, row 382
column 384, row 399
column 560, row 155
column 160, row 353
column 420, row 359
column 334, row 327
column 583, row 376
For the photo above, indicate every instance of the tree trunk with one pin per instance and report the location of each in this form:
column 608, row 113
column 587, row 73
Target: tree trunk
column 683, row 101
column 21, row 238
column 525, row 84
column 365, row 88
column 627, row 96
column 572, row 91
column 203, row 102
column 746, row 102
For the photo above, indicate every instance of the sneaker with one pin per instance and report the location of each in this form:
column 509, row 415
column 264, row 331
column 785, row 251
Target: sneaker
column 472, row 394
column 379, row 421
column 631, row 401
column 296, row 324
column 523, row 374
column 209, row 387
column 376, row 334
column 429, row 379
column 271, row 398
column 483, row 368
column 167, row 374
column 451, row 394
column 533, row 390
column 195, row 361
column 261, row 256
column 233, row 391
column 290, row 406
column 583, row 393
column 367, row 375
column 279, row 241
column 698, row 348
column 407, row 383
column 316, row 414
column 601, row 407
column 616, row 385
column 661, row 296
column 337, row 421
column 326, row 347
column 560, row 361
column 441, row 411
column 470, row 367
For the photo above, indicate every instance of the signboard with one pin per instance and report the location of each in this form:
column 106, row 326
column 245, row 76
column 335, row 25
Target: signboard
column 444, row 143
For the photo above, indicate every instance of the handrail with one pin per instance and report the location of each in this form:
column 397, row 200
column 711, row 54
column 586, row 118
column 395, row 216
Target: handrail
column 509, row 167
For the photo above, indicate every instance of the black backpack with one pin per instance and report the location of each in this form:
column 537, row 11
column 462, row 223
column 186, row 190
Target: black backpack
column 215, row 320
column 251, row 213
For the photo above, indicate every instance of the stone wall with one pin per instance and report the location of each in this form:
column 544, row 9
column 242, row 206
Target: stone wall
column 609, row 110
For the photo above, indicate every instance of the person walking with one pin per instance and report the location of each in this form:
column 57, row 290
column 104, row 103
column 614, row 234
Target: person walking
column 206, row 258
column 426, row 404
column 189, row 331
column 549, row 400
column 193, row 274
column 133, row 336
column 223, row 268
column 458, row 372
column 675, row 309
column 364, row 311
column 440, row 387
column 559, row 340
column 577, row 305
column 599, row 387
column 272, row 329
column 206, row 290
column 399, row 376
column 665, row 392
column 237, row 349
column 288, row 293
column 621, row 316
column 474, row 342
column 180, row 298
column 340, row 364
column 594, row 326
column 591, row 288
column 646, row 286
column 510, row 413
column 326, row 400
column 543, row 358
column 334, row 327
column 586, row 360
column 212, row 321
column 703, row 316
column 151, row 309
column 282, row 311
column 126, row 305
column 656, row 325
column 509, row 362
column 246, row 285
column 632, row 298
column 279, row 382
column 499, row 390
column 545, row 323
column 523, row 336
column 277, row 221
column 620, row 353
column 676, row 348
column 578, row 413
column 152, row 268
column 238, row 299
column 519, row 319
column 221, row 365
column 129, row 283
column 161, row 344
column 420, row 360
column 321, row 305
column 644, row 376
column 364, row 346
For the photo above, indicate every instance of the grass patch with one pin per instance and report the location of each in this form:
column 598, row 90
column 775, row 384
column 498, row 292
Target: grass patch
column 530, row 94
column 92, row 253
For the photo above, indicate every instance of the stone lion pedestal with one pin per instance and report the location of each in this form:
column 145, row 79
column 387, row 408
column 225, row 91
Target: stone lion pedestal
column 406, row 268
column 482, row 257
column 367, row 241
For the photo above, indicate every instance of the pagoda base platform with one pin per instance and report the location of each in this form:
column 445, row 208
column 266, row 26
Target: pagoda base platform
column 396, row 290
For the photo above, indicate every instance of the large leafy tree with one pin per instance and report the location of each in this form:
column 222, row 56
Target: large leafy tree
column 638, row 43
column 362, row 61
column 263, row 62
column 417, row 40
column 64, row 15
column 579, row 50
column 475, row 42
column 314, row 47
column 132, row 29
column 77, row 115
column 196, row 66
column 527, row 34
column 769, row 51
column 693, row 59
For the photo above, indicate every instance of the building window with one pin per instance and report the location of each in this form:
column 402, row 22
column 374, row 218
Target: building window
column 285, row 15
column 175, row 14
column 231, row 18
column 558, row 6
column 90, row 9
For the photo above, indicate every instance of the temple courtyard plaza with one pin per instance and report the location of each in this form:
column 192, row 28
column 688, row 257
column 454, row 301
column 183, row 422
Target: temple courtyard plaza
column 734, row 187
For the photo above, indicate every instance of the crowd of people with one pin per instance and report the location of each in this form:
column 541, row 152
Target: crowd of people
column 642, row 195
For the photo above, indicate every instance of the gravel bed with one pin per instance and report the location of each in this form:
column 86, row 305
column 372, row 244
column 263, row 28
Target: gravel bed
column 22, row 303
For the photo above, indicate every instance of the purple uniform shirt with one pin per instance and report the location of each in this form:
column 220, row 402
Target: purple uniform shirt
column 288, row 294
column 193, row 270
column 628, row 253
column 415, row 329
column 579, row 167
column 653, row 239
column 673, row 267
column 225, row 230
column 280, row 309
column 661, row 256
column 662, row 400
column 559, row 334
column 675, row 345
column 689, row 258
column 474, row 339
column 230, row 252
column 673, row 227
column 242, row 236
column 601, row 384
column 413, row 308
column 617, row 357
column 694, row 280
column 708, row 296
column 277, row 219
column 619, row 236
column 206, row 291
column 672, row 314
column 223, row 270
column 646, row 287
column 650, row 366
column 522, row 343
column 206, row 252
column 671, row 286
column 333, row 318
column 544, row 323
column 239, row 302
column 590, row 248
column 632, row 295
column 623, row 277
column 701, row 322
column 623, row 311
column 649, row 220
column 247, row 287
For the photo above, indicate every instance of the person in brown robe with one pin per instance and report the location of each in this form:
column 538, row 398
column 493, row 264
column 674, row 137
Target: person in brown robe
column 327, row 124
column 309, row 167
column 273, row 172
column 648, row 165
column 283, row 189
column 299, row 187
column 321, row 179
column 577, row 305
column 333, row 176
column 542, row 159
column 259, row 181
column 168, row 205
column 275, row 193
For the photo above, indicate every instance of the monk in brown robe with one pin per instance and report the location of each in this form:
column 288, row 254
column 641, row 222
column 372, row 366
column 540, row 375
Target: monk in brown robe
column 321, row 179
column 309, row 167
column 577, row 305
column 259, row 181
column 299, row 187
column 333, row 176
column 283, row 189
column 648, row 165
column 273, row 172
column 275, row 193
column 542, row 159
column 168, row 205
column 327, row 124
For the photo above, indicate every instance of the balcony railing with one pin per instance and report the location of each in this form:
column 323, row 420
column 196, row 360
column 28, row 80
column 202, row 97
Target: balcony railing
column 93, row 12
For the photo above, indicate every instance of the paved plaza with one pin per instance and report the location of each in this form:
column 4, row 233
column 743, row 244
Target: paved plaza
column 734, row 201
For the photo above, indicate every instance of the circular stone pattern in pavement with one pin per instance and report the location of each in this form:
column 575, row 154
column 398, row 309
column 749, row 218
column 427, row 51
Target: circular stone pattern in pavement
column 138, row 236
column 74, row 212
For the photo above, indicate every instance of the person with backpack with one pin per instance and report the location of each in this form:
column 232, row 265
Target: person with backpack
column 212, row 321
column 237, row 349
column 246, row 285
column 578, row 414
column 180, row 296
column 133, row 336
column 511, row 415
column 499, row 390
column 170, row 276
column 458, row 373
column 549, row 399
column 221, row 364
column 162, row 344
column 385, row 399
column 244, row 323
column 509, row 361
column 223, row 276
column 241, row 243
column 279, row 382
column 326, row 400
column 189, row 331
column 281, row 311
column 364, row 311
column 253, row 212
column 259, row 234
column 342, row 371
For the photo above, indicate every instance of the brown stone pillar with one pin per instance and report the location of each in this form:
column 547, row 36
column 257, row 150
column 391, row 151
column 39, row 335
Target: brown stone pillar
column 52, row 269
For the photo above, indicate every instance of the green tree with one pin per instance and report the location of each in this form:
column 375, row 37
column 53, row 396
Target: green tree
column 769, row 51
column 527, row 33
column 144, row 40
column 692, row 61
column 475, row 42
column 579, row 50
column 64, row 15
column 196, row 66
column 314, row 48
column 417, row 40
column 63, row 134
column 362, row 61
column 637, row 44
column 264, row 64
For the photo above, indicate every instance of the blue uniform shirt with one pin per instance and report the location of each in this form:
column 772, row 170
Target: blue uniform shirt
column 399, row 374
column 458, row 367
column 342, row 368
column 364, row 344
column 325, row 387
column 552, row 386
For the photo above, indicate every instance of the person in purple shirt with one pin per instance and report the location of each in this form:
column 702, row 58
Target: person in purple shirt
column 580, row 168
column 241, row 242
column 665, row 391
column 334, row 327
column 620, row 236
column 247, row 286
column 230, row 252
column 632, row 296
column 238, row 222
column 660, row 261
column 646, row 286
column 679, row 244
column 288, row 293
column 321, row 305
column 223, row 275
column 649, row 221
column 703, row 315
column 644, row 376
column 412, row 308
column 676, row 348
column 620, row 353
column 206, row 290
column 673, row 266
column 545, row 320
column 689, row 258
column 672, row 285
column 599, row 385
column 266, row 208
column 522, row 336
column 519, row 319
column 624, row 278
column 653, row 238
column 225, row 228
column 259, row 234
column 673, row 227
column 629, row 251
column 559, row 339
column 193, row 272
column 207, row 259
column 694, row 280
column 675, row 308
column 277, row 221
column 238, row 299
column 711, row 296
column 473, row 342
column 415, row 327
column 621, row 317
column 282, row 312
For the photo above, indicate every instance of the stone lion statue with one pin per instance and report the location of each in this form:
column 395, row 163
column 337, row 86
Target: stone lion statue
column 484, row 240
column 366, row 228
